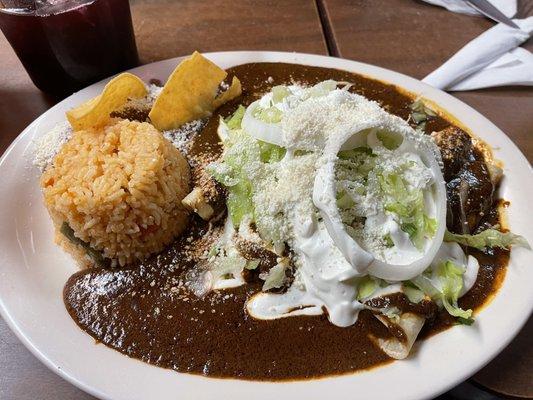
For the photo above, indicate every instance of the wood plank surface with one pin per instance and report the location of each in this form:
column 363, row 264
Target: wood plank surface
column 163, row 29
column 220, row 25
column 511, row 372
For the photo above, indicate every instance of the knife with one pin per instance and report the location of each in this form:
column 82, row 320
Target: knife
column 487, row 9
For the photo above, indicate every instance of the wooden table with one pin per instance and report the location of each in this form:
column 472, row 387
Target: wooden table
column 403, row 35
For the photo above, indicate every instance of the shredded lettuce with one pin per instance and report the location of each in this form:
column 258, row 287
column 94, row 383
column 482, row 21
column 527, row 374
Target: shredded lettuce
column 488, row 238
column 252, row 264
column 424, row 283
column 366, row 286
column 213, row 251
column 239, row 202
column 234, row 122
column 420, row 114
column 408, row 205
column 270, row 152
column 388, row 240
column 465, row 321
column 413, row 294
column 450, row 284
column 223, row 174
column 241, row 151
column 321, row 89
column 279, row 93
column 357, row 168
column 392, row 313
column 276, row 277
column 270, row 115
column 355, row 153
column 390, row 140
column 419, row 106
column 430, row 226
column 344, row 200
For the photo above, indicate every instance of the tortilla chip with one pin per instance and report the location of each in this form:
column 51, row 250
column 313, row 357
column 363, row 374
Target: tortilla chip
column 190, row 93
column 233, row 91
column 95, row 112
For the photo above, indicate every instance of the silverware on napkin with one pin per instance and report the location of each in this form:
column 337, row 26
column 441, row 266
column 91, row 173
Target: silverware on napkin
column 487, row 9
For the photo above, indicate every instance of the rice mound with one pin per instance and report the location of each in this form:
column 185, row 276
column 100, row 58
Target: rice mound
column 120, row 190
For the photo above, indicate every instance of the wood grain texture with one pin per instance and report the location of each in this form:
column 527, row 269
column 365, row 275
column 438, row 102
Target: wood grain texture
column 501, row 374
column 415, row 38
column 220, row 25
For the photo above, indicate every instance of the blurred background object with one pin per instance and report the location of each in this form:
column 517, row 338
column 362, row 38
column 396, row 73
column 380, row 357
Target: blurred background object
column 66, row 45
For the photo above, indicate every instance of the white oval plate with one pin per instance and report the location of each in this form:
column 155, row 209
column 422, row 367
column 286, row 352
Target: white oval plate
column 33, row 271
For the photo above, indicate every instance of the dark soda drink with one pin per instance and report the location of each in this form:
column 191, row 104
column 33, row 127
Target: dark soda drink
column 67, row 44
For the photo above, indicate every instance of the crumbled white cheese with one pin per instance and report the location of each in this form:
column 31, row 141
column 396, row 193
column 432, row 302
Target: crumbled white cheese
column 283, row 191
column 153, row 92
column 369, row 200
column 308, row 125
column 48, row 145
column 182, row 137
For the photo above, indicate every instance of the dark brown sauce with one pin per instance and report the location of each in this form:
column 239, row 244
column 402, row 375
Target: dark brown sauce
column 425, row 308
column 145, row 311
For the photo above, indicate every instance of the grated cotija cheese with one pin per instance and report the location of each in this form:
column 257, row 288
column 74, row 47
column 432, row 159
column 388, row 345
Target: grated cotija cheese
column 153, row 92
column 283, row 192
column 48, row 145
column 182, row 137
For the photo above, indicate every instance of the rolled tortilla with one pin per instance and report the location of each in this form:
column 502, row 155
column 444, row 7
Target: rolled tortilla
column 396, row 347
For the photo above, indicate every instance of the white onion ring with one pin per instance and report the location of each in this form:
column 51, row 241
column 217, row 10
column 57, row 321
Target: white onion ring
column 260, row 130
column 324, row 198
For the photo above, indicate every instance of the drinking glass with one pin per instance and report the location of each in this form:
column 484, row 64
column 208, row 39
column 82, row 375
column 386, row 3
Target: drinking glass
column 66, row 45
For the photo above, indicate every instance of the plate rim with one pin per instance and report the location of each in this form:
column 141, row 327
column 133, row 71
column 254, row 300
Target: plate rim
column 284, row 56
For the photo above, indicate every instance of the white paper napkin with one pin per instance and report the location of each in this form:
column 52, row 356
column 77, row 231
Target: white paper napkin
column 489, row 60
column 508, row 7
column 513, row 68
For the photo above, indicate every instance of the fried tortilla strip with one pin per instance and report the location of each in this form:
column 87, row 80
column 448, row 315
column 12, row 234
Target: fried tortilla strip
column 399, row 346
column 95, row 112
column 195, row 201
column 191, row 93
